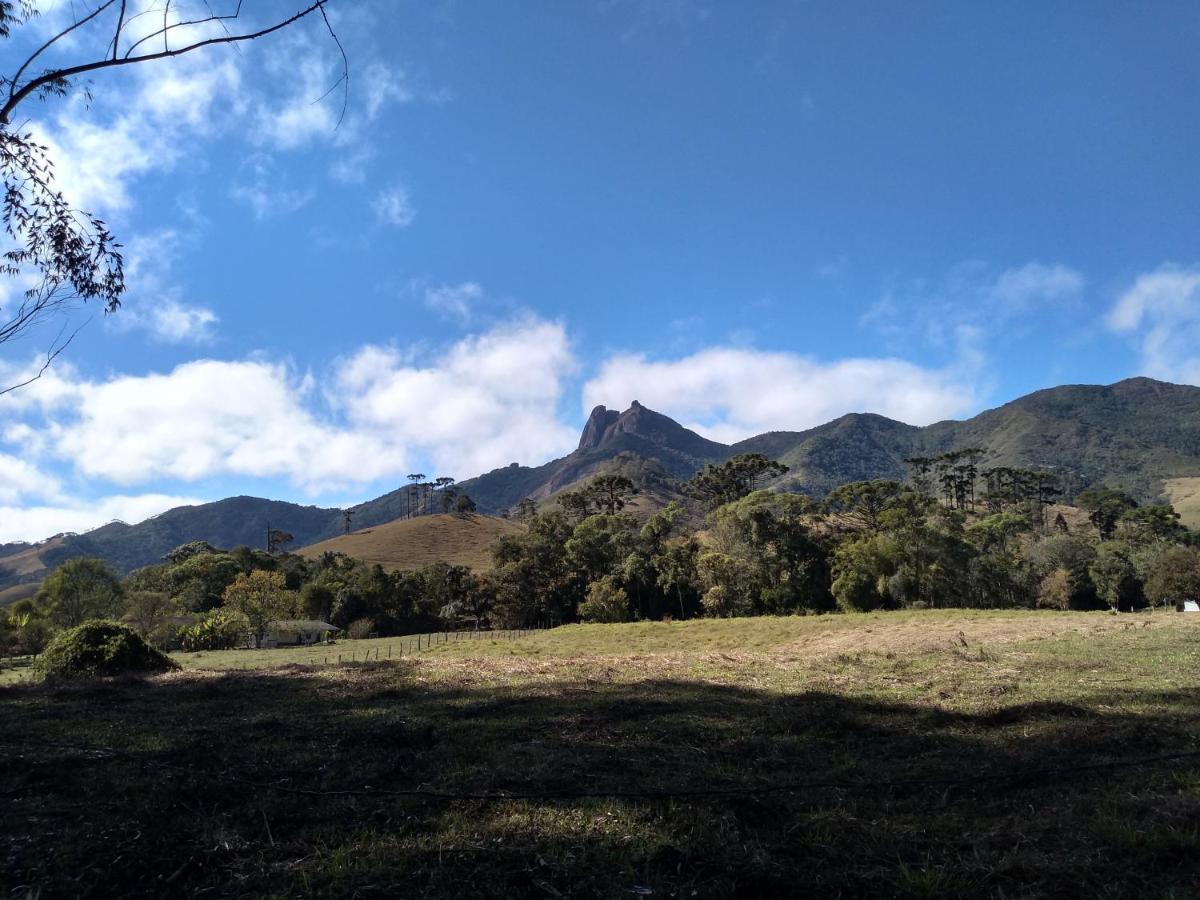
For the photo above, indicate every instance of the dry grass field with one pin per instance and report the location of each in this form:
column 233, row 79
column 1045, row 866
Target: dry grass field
column 937, row 753
column 407, row 544
column 1184, row 495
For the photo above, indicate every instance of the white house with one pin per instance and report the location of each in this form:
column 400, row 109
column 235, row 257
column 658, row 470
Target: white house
column 297, row 632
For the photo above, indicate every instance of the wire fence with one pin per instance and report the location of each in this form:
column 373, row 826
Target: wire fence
column 19, row 669
column 411, row 644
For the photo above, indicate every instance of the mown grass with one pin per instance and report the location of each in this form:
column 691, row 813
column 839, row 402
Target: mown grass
column 928, row 754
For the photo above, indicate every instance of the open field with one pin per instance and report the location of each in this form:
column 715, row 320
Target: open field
column 913, row 754
column 1184, row 495
column 407, row 544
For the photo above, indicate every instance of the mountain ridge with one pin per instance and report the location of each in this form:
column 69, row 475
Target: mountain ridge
column 1136, row 434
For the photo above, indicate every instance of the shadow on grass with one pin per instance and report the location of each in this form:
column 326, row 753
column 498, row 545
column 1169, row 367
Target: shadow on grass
column 167, row 817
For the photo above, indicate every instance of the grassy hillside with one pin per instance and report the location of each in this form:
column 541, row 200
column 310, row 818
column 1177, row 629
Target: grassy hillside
column 917, row 755
column 413, row 543
column 1184, row 495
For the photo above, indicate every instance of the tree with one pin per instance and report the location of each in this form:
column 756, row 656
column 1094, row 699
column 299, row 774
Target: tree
column 733, row 479
column 1174, row 576
column 1105, row 508
column 262, row 597
column 81, row 589
column 145, row 610
column 1153, row 524
column 606, row 602
column 277, row 539
column 1115, row 577
column 188, row 550
column 860, row 503
column 610, row 492
column 69, row 255
column 347, row 515
column 413, row 495
column 576, row 503
column 464, row 505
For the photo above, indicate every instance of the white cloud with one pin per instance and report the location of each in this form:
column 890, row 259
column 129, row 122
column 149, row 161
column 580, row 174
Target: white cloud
column 24, row 523
column 729, row 394
column 1018, row 289
column 100, row 149
column 176, row 322
column 485, row 401
column 455, row 301
column 1161, row 309
column 155, row 305
column 393, row 206
column 490, row 400
column 20, row 479
column 973, row 294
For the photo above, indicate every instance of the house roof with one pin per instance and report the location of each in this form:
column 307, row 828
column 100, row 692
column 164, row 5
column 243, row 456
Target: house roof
column 303, row 625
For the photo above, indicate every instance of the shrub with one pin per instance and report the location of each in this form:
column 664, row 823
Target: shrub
column 360, row 628
column 99, row 648
column 606, row 602
column 218, row 630
column 1056, row 590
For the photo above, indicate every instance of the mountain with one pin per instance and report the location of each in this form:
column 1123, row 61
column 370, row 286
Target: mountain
column 608, row 436
column 1140, row 435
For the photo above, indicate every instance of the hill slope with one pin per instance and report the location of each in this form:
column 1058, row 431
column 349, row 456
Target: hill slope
column 412, row 543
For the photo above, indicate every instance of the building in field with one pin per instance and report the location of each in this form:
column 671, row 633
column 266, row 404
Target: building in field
column 297, row 633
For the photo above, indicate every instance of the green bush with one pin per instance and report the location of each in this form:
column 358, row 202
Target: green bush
column 217, row 630
column 98, row 648
column 606, row 602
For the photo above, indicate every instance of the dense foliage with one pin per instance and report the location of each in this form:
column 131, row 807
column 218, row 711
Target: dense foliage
column 99, row 648
column 954, row 535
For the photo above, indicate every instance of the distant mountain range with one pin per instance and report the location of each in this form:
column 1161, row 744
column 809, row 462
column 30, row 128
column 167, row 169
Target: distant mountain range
column 1140, row 435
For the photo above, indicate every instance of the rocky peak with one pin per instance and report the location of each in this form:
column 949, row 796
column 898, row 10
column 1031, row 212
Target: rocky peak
column 606, row 428
column 597, row 424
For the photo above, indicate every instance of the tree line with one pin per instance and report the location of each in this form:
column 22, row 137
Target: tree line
column 952, row 535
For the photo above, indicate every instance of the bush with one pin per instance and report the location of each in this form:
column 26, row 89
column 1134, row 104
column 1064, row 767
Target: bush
column 606, row 602
column 218, row 630
column 1056, row 590
column 99, row 648
column 360, row 628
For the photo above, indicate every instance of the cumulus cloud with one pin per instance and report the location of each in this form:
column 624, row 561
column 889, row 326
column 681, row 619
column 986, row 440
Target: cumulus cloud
column 729, row 394
column 1161, row 311
column 20, row 479
column 393, row 206
column 485, row 401
column 490, row 400
column 23, row 523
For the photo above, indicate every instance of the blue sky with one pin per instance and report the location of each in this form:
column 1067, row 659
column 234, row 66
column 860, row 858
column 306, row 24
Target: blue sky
column 747, row 216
